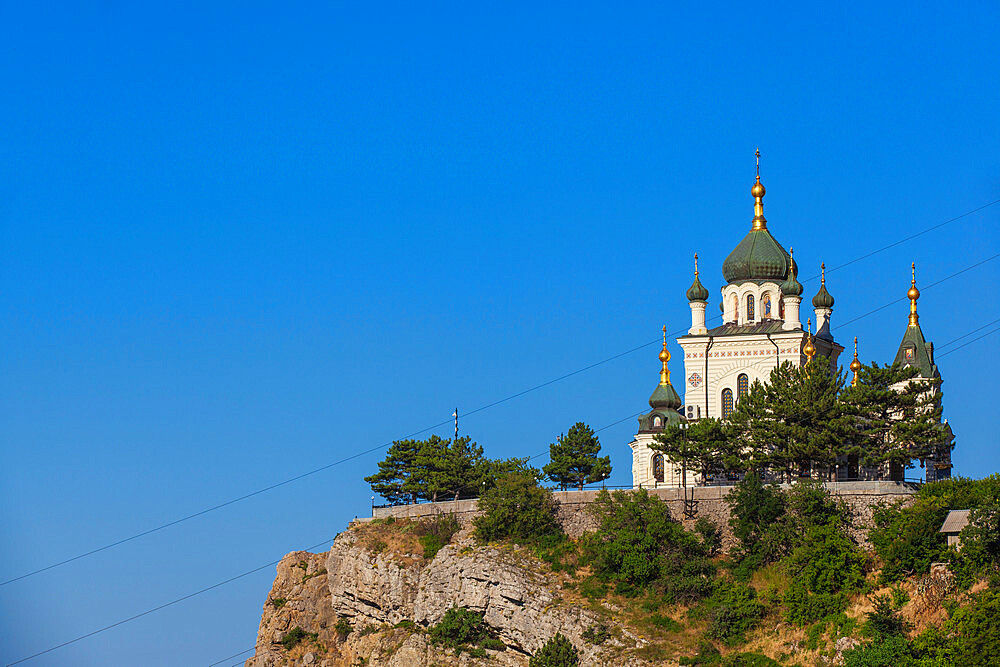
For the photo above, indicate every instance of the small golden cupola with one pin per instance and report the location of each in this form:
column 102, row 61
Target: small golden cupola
column 855, row 365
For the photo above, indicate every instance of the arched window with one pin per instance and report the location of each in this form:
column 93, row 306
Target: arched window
column 727, row 402
column 781, row 308
column 657, row 422
column 736, row 308
column 658, row 467
column 765, row 307
column 742, row 386
column 750, row 313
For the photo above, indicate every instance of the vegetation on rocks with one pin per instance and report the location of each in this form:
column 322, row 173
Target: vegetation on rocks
column 557, row 652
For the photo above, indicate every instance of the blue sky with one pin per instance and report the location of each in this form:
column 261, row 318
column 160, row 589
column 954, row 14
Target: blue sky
column 242, row 241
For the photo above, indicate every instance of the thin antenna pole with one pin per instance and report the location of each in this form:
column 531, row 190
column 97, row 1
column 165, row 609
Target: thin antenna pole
column 455, row 415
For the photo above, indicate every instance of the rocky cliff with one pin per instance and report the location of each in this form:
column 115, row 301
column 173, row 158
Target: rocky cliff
column 370, row 599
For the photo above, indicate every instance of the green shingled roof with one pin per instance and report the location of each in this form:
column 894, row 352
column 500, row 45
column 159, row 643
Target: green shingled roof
column 914, row 350
column 757, row 257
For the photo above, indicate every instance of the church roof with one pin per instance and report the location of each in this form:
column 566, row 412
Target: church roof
column 757, row 257
column 733, row 329
column 914, row 350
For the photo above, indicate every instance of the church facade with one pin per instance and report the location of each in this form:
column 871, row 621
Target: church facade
column 761, row 329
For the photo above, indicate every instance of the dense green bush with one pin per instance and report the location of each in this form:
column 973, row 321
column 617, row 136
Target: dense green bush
column 756, row 509
column 826, row 567
column 733, row 610
column 639, row 545
column 517, row 509
column 459, row 628
column 906, row 539
column 884, row 652
column 557, row 652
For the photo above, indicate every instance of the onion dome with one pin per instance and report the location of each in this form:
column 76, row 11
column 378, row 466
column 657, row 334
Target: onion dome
column 758, row 256
column 664, row 396
column 823, row 299
column 697, row 291
column 792, row 287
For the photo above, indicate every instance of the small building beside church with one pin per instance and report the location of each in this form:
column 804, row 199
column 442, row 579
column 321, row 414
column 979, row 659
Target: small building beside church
column 761, row 329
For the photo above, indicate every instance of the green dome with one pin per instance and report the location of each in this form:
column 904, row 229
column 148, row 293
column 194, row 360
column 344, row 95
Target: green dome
column 823, row 299
column 664, row 397
column 757, row 257
column 792, row 287
column 697, row 291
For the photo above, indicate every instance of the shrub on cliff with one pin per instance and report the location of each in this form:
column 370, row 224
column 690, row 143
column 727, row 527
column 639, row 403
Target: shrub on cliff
column 557, row 652
column 906, row 539
column 733, row 610
column 638, row 544
column 826, row 568
column 516, row 508
column 461, row 628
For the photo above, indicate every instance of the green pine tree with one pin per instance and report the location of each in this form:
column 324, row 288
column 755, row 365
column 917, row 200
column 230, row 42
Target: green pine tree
column 398, row 479
column 574, row 460
column 896, row 417
column 704, row 446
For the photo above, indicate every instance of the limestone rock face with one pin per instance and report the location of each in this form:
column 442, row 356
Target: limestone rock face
column 376, row 591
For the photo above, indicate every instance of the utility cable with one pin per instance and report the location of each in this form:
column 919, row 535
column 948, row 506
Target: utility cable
column 309, row 473
column 234, row 655
column 159, row 607
column 313, row 471
column 927, row 287
column 938, row 348
column 956, row 349
column 908, row 238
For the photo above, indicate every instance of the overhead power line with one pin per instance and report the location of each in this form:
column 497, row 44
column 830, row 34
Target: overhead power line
column 276, row 485
column 159, row 607
column 481, row 408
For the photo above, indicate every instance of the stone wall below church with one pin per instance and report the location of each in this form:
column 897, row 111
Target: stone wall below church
column 703, row 502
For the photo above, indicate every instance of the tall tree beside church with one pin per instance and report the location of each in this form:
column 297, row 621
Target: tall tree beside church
column 794, row 420
column 750, row 432
column 398, row 479
column 574, row 460
column 703, row 446
column 897, row 417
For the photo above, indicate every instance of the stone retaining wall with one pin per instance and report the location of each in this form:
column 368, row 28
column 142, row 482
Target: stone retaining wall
column 702, row 502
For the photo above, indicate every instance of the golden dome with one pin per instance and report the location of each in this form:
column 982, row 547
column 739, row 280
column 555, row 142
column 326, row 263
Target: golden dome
column 664, row 355
column 809, row 348
column 913, row 293
column 757, row 190
column 855, row 365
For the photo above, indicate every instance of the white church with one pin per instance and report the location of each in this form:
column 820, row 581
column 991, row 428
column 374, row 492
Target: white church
column 761, row 329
